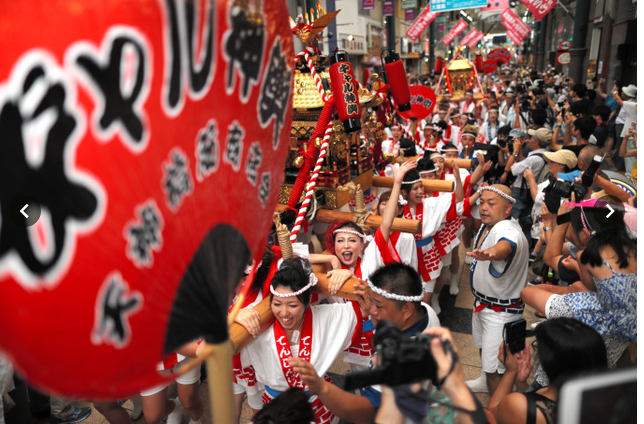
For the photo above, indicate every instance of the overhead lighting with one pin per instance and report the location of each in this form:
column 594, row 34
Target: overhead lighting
column 463, row 13
column 469, row 19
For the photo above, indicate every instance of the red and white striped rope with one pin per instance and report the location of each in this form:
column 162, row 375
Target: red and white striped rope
column 312, row 182
column 318, row 81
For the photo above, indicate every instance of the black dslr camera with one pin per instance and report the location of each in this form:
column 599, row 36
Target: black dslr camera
column 404, row 359
column 558, row 190
column 507, row 140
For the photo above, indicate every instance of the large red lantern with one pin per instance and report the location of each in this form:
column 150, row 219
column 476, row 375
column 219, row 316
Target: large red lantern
column 345, row 90
column 397, row 80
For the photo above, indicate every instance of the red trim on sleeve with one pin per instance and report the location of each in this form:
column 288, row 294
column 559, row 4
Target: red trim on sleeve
column 467, row 208
column 451, row 212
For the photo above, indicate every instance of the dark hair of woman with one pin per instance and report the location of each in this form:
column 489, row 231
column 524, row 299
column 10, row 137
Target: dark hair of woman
column 411, row 175
column 294, row 274
column 329, row 236
column 616, row 236
column 290, row 407
column 567, row 346
column 264, row 268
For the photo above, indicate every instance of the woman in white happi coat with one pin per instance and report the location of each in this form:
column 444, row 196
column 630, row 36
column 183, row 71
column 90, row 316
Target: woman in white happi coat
column 356, row 255
column 315, row 333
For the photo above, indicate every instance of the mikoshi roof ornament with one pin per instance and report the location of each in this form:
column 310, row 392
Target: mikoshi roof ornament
column 153, row 197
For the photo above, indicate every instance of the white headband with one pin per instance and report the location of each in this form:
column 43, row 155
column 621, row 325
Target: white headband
column 499, row 192
column 393, row 295
column 427, row 172
column 413, row 181
column 365, row 238
column 249, row 268
column 470, row 134
column 401, row 200
column 313, row 280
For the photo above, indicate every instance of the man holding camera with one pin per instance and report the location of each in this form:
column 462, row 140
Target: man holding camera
column 396, row 292
column 498, row 272
column 537, row 141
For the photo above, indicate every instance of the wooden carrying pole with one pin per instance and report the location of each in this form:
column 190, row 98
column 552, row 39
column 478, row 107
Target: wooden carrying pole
column 462, row 163
column 328, row 216
column 241, row 338
column 430, row 185
column 218, row 366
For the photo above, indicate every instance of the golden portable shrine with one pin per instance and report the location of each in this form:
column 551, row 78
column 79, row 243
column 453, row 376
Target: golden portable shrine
column 457, row 76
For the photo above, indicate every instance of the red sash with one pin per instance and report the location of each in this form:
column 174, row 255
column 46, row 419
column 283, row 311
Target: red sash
column 362, row 346
column 423, row 266
column 322, row 414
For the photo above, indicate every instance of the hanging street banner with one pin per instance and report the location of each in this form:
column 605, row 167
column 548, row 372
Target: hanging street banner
column 475, row 41
column 449, row 37
column 409, row 15
column 425, row 18
column 388, row 8
column 513, row 23
column 539, row 8
column 469, row 37
column 368, row 4
column 407, row 4
column 445, row 5
column 516, row 39
column 495, row 6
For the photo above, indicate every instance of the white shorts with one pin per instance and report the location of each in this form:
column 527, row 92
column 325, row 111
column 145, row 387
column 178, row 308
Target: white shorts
column 428, row 287
column 188, row 378
column 487, row 335
column 254, row 399
column 447, row 259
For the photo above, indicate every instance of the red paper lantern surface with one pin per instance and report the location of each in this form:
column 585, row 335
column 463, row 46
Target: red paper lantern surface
column 423, row 100
column 153, row 134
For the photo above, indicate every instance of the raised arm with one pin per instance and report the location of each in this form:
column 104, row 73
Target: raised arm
column 392, row 205
column 458, row 189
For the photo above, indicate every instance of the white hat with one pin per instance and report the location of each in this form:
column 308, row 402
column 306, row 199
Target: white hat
column 630, row 91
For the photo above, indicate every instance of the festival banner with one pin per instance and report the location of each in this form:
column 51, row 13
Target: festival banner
column 539, row 8
column 409, row 15
column 475, row 41
column 368, row 4
column 425, row 18
column 469, row 37
column 516, row 39
column 513, row 23
column 449, row 37
column 446, row 5
column 407, row 4
column 388, row 8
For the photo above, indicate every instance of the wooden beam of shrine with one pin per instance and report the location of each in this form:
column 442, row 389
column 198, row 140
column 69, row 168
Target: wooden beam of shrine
column 241, row 338
column 430, row 185
column 328, row 216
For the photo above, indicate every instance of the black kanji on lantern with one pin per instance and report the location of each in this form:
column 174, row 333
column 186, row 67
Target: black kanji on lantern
column 244, row 48
column 352, row 108
column 264, row 188
column 113, row 308
column 177, row 182
column 253, row 162
column 68, row 200
column 276, row 89
column 119, row 108
column 207, row 150
column 145, row 235
column 234, row 145
column 350, row 98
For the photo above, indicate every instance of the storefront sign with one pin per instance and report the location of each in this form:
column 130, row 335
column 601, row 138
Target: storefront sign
column 368, row 4
column 563, row 58
column 407, row 4
column 409, row 15
column 565, row 45
column 445, row 5
column 388, row 8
